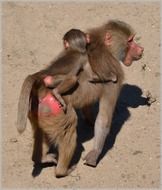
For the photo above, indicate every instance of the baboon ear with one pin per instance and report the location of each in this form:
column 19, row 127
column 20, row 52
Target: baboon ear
column 88, row 38
column 108, row 39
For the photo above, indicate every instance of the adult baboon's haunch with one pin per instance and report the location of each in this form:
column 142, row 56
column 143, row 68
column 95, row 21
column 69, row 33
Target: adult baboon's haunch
column 109, row 45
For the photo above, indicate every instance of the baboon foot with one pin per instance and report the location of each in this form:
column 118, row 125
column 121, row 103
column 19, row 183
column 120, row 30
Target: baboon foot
column 62, row 172
column 91, row 158
column 114, row 79
column 50, row 158
column 59, row 99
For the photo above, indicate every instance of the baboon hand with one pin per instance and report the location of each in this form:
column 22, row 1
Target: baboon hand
column 91, row 158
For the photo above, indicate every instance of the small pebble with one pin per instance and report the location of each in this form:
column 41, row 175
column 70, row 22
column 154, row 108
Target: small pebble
column 13, row 140
column 137, row 152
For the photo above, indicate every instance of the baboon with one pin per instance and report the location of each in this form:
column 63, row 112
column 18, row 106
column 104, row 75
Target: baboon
column 114, row 39
column 110, row 44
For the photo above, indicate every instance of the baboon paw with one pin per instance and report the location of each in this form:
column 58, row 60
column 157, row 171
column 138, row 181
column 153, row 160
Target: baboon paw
column 64, row 172
column 91, row 159
column 50, row 158
column 59, row 174
column 114, row 79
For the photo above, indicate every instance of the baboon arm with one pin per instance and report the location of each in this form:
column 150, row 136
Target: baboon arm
column 64, row 87
column 106, row 109
column 68, row 83
column 71, row 78
column 102, row 124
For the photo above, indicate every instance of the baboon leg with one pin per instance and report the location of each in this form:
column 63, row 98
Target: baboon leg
column 50, row 158
column 41, row 148
column 102, row 126
column 59, row 98
column 68, row 83
column 66, row 151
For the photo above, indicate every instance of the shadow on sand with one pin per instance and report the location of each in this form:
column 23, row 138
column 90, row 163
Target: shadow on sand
column 130, row 96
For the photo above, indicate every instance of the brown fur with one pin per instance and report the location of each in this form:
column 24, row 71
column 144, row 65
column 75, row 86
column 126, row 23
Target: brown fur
column 76, row 56
column 59, row 131
column 85, row 94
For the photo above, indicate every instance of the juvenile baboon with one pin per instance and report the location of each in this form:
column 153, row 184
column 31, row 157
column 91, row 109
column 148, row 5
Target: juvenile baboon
column 109, row 45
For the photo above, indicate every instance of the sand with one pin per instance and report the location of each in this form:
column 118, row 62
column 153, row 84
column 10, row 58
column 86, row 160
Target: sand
column 31, row 38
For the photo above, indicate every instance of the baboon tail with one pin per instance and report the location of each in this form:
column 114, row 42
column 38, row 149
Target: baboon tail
column 24, row 103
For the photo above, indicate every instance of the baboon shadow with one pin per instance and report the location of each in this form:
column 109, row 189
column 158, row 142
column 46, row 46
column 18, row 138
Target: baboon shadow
column 84, row 133
column 130, row 96
column 37, row 168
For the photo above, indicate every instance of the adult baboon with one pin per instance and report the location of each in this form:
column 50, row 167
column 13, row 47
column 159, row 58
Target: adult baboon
column 110, row 44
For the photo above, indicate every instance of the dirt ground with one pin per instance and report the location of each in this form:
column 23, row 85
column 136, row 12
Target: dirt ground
column 31, row 38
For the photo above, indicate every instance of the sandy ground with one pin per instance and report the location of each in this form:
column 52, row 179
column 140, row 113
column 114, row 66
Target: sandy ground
column 31, row 36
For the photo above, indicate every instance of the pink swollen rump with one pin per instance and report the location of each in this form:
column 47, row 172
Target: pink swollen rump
column 49, row 106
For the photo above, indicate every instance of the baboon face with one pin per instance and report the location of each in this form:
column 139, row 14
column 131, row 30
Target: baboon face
column 134, row 51
column 124, row 48
column 119, row 39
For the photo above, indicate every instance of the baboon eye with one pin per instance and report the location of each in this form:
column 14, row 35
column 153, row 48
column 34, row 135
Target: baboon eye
column 130, row 40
